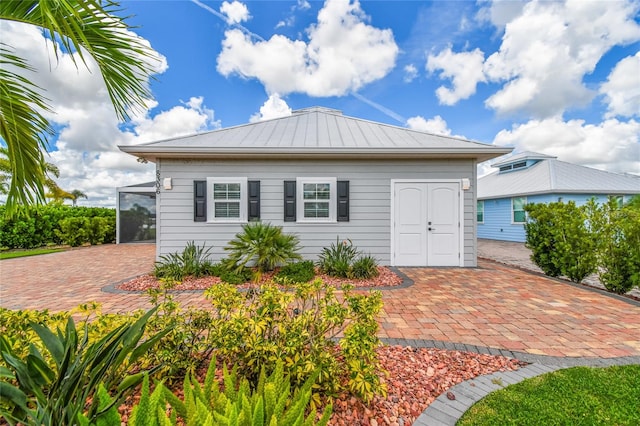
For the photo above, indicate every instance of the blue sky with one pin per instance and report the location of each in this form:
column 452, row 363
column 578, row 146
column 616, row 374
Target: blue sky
column 561, row 78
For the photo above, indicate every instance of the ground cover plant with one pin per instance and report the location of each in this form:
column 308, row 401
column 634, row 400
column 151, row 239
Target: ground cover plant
column 579, row 395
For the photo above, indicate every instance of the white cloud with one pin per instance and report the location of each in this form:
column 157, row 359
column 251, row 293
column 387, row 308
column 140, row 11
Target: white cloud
column 500, row 12
column 274, row 107
column 611, row 145
column 410, row 73
column 343, row 53
column 236, row 12
column 436, row 125
column 622, row 88
column 464, row 69
column 86, row 147
column 542, row 75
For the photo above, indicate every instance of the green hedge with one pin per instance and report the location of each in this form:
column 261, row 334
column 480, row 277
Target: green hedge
column 577, row 241
column 40, row 226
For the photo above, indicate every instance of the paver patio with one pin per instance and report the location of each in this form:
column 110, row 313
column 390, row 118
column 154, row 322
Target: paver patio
column 493, row 305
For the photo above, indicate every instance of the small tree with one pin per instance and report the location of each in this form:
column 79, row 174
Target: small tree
column 616, row 232
column 76, row 193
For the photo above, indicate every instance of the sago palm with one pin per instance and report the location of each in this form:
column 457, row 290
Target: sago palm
column 84, row 28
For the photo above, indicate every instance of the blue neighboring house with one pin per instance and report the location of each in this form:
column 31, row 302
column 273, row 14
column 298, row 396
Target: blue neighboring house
column 530, row 177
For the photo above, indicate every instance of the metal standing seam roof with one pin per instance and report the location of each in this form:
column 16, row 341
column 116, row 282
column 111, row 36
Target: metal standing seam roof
column 550, row 175
column 315, row 132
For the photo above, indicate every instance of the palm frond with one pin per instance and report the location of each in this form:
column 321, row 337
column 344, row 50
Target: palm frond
column 24, row 130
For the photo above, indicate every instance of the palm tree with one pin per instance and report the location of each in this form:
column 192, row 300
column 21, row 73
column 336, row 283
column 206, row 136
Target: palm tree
column 50, row 171
column 86, row 27
column 76, row 193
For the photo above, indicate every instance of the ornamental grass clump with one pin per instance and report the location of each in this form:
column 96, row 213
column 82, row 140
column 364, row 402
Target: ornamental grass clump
column 344, row 260
column 193, row 261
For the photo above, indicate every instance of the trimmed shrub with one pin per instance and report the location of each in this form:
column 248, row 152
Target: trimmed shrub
column 74, row 231
column 560, row 240
column 36, row 226
column 617, row 235
column 299, row 272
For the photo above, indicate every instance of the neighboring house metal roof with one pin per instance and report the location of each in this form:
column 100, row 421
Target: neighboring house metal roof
column 549, row 175
column 315, row 133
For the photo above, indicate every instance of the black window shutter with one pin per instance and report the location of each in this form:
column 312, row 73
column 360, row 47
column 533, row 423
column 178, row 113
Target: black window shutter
column 343, row 201
column 289, row 200
column 199, row 200
column 254, row 200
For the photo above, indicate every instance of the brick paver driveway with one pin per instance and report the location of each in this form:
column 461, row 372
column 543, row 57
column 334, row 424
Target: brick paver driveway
column 493, row 305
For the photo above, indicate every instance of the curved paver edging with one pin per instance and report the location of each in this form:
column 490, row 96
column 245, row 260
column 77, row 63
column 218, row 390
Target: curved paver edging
column 113, row 288
column 587, row 287
column 444, row 411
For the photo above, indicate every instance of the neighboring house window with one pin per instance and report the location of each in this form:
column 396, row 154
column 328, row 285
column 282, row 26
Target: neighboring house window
column 618, row 199
column 316, row 199
column 480, row 211
column 517, row 208
column 227, row 201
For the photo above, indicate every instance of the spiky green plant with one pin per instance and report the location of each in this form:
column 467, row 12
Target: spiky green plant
column 264, row 245
column 57, row 395
column 270, row 402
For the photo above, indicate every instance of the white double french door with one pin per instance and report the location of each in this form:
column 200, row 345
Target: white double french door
column 426, row 224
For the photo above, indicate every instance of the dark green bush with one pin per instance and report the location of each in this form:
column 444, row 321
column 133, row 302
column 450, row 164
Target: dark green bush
column 541, row 238
column 343, row 260
column 74, row 231
column 560, row 240
column 237, row 276
column 616, row 232
column 299, row 272
column 262, row 245
column 36, row 226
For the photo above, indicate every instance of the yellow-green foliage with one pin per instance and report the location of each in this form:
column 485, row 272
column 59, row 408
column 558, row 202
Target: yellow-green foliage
column 299, row 326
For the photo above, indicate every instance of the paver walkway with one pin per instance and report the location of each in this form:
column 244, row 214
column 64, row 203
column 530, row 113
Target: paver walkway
column 516, row 254
column 493, row 305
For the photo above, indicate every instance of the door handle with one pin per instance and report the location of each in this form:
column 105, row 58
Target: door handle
column 431, row 229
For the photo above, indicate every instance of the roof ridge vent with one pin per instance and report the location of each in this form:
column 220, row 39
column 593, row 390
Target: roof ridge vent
column 316, row 109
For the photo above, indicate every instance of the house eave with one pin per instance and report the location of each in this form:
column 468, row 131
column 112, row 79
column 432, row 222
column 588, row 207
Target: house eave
column 560, row 192
column 153, row 153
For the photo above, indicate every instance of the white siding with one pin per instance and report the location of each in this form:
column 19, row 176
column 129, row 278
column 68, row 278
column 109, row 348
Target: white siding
column 370, row 202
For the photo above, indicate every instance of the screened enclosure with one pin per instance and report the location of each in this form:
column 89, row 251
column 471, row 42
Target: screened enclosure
column 136, row 213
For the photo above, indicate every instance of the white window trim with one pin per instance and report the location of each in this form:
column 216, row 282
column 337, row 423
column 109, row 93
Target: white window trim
column 477, row 202
column 513, row 222
column 243, row 199
column 300, row 199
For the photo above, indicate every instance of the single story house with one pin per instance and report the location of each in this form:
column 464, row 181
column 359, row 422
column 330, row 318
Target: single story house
column 406, row 197
column 530, row 177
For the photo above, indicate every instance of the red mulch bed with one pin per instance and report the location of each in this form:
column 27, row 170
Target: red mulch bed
column 416, row 378
column 386, row 278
